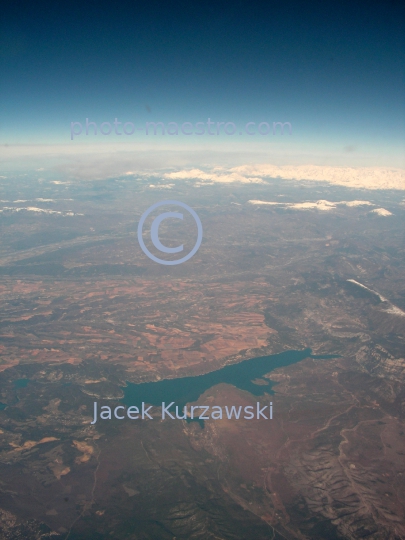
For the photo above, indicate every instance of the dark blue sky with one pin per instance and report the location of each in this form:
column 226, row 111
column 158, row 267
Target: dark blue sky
column 334, row 70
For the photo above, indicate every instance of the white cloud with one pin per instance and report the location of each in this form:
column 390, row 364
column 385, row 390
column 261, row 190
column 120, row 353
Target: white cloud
column 388, row 306
column 319, row 205
column 222, row 176
column 322, row 205
column 360, row 177
column 395, row 311
column 161, row 186
column 239, row 163
column 382, row 212
column 11, row 210
column 357, row 203
column 255, row 201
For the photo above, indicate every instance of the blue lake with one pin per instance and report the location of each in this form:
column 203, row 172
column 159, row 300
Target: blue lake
column 185, row 390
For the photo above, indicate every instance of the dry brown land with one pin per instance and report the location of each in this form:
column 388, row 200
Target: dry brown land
column 78, row 319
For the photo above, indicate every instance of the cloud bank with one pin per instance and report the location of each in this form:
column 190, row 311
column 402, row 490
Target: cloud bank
column 201, row 166
column 321, row 205
column 360, row 177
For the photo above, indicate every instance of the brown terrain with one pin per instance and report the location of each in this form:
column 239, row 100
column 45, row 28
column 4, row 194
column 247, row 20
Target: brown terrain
column 80, row 317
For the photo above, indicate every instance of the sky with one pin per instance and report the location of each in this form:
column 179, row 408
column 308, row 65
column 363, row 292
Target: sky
column 334, row 71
